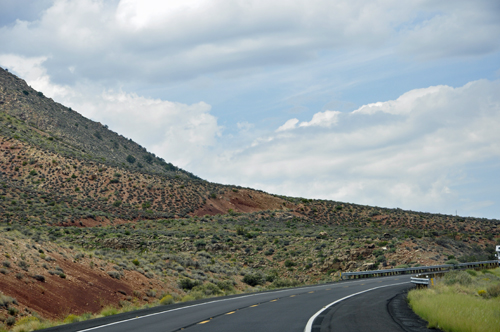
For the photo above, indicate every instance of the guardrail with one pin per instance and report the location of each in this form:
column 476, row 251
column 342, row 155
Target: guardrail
column 419, row 269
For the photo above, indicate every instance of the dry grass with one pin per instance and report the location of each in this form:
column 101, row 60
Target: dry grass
column 459, row 307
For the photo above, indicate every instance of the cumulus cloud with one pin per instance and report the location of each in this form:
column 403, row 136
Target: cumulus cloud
column 290, row 124
column 147, row 40
column 425, row 150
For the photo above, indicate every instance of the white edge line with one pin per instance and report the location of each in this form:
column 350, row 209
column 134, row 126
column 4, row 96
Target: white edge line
column 310, row 322
column 192, row 306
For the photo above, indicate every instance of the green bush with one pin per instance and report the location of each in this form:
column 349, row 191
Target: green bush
column 131, row 159
column 281, row 283
column 167, row 299
column 452, row 262
column 460, row 277
column 71, row 319
column 208, row 289
column 188, row 284
column 108, row 311
column 494, row 290
column 472, row 273
column 253, row 279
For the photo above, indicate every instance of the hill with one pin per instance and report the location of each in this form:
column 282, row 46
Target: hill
column 85, row 210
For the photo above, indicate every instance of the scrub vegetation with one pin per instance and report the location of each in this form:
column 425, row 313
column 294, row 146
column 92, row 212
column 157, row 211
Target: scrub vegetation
column 461, row 301
column 93, row 224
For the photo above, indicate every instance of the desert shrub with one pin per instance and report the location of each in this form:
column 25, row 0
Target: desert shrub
column 188, row 284
column 6, row 264
column 130, row 159
column 472, row 273
column 187, row 298
column 10, row 321
column 28, row 320
column 452, row 262
column 494, row 290
column 253, row 279
column 151, row 293
column 289, row 263
column 23, row 265
column 114, row 274
column 71, row 319
column 269, row 252
column 13, row 311
column 240, row 230
column 208, row 289
column 167, row 299
column 39, row 277
column 460, row 277
column 225, row 285
column 280, row 283
column 5, row 301
column 108, row 311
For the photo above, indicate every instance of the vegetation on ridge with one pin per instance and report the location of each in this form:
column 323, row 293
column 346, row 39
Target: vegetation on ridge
column 87, row 211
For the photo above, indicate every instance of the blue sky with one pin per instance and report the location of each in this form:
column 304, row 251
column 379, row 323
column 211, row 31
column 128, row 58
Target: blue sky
column 385, row 103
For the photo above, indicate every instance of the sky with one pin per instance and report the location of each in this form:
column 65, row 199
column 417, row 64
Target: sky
column 386, row 103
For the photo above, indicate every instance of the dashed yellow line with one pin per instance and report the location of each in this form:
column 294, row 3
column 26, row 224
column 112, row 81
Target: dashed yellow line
column 346, row 286
column 292, row 295
column 204, row 322
column 311, row 292
column 253, row 305
column 328, row 289
column 230, row 313
column 274, row 300
column 362, row 284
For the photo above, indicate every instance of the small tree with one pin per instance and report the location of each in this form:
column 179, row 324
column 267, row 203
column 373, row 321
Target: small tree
column 131, row 159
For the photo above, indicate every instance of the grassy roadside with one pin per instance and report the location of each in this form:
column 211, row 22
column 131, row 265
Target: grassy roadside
column 461, row 301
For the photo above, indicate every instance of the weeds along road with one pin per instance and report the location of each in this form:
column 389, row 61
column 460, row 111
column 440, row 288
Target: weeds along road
column 281, row 310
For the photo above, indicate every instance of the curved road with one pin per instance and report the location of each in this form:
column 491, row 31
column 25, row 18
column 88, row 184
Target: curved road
column 281, row 310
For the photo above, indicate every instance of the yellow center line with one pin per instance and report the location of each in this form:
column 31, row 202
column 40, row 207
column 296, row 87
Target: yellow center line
column 204, row 322
column 328, row 289
column 346, row 286
column 292, row 295
column 311, row 292
column 274, row 300
column 253, row 305
column 380, row 281
column 362, row 284
column 230, row 313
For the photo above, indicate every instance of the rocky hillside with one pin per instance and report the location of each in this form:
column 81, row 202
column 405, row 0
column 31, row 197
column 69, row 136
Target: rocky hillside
column 85, row 210
column 31, row 117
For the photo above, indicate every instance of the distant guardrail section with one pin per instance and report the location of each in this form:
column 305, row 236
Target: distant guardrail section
column 420, row 269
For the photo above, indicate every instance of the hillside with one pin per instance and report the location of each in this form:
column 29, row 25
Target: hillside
column 85, row 210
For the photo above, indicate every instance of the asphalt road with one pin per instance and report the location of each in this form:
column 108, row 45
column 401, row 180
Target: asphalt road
column 282, row 310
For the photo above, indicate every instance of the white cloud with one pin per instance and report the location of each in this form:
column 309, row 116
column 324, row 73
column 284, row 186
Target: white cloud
column 322, row 119
column 175, row 131
column 290, row 124
column 422, row 151
column 146, row 40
